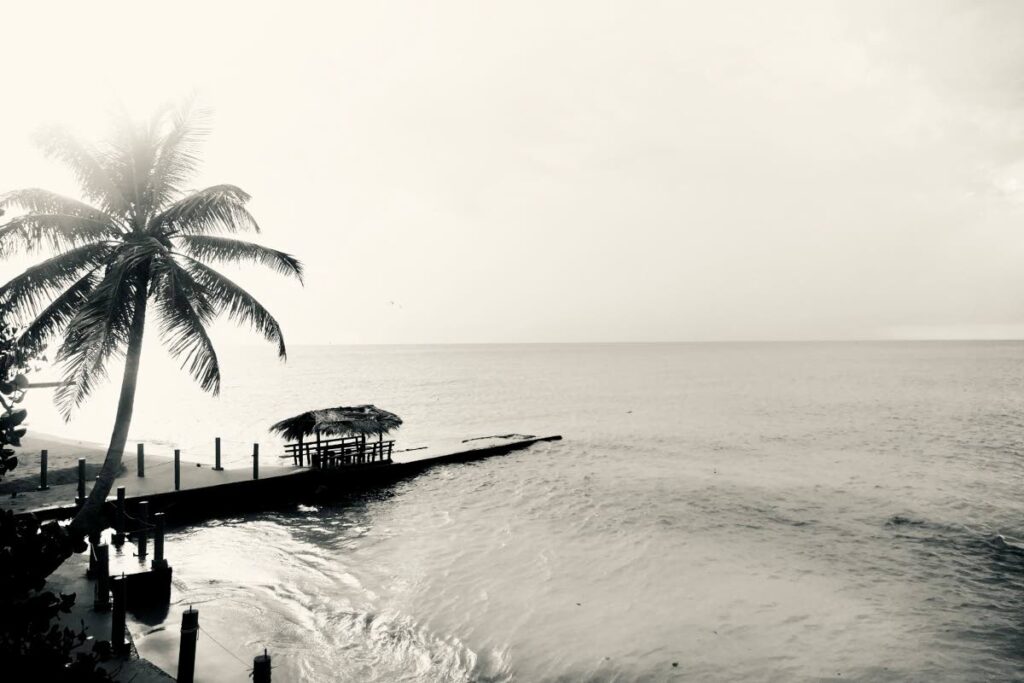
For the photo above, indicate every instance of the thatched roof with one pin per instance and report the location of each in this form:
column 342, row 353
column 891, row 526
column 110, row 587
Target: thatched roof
column 341, row 421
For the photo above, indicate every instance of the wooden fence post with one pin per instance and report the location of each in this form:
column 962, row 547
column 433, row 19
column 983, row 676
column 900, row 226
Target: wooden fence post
column 44, row 458
column 81, row 481
column 261, row 668
column 177, row 469
column 187, row 649
column 119, row 518
column 141, row 459
column 102, row 601
column 158, row 542
column 94, row 540
column 117, row 620
column 144, row 531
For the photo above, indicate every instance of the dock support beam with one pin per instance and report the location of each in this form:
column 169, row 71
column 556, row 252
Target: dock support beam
column 177, row 469
column 216, row 455
column 187, row 649
column 119, row 518
column 141, row 459
column 81, row 481
column 102, row 601
column 44, row 458
column 261, row 668
column 117, row 619
column 255, row 461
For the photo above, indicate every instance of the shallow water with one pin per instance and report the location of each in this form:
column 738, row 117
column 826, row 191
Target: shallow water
column 716, row 512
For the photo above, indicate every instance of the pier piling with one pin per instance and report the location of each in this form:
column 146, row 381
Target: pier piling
column 117, row 619
column 255, row 461
column 143, row 529
column 261, row 668
column 119, row 518
column 177, row 469
column 44, row 457
column 158, row 542
column 187, row 650
column 141, row 459
column 102, row 601
column 216, row 455
column 81, row 481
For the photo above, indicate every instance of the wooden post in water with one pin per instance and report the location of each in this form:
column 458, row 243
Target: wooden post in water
column 81, row 482
column 216, row 455
column 255, row 461
column 158, row 541
column 141, row 459
column 44, row 458
column 177, row 469
column 102, row 601
column 261, row 668
column 94, row 540
column 302, row 456
column 187, row 649
column 119, row 518
column 117, row 619
column 144, row 531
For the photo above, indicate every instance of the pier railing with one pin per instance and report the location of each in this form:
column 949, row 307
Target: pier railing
column 338, row 452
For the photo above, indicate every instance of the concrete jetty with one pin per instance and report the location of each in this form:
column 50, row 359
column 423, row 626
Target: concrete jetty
column 199, row 490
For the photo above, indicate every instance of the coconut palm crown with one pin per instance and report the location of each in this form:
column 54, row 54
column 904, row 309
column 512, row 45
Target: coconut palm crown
column 138, row 244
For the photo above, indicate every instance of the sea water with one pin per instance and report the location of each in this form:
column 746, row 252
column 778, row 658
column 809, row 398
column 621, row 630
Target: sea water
column 722, row 512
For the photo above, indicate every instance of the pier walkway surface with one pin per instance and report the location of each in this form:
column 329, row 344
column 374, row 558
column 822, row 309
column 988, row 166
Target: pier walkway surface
column 200, row 483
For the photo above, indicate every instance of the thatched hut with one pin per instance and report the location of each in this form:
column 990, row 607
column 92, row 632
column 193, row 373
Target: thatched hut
column 351, row 423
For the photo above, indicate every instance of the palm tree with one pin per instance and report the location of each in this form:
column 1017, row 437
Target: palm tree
column 139, row 244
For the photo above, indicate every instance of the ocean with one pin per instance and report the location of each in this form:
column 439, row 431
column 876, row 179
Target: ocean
column 716, row 512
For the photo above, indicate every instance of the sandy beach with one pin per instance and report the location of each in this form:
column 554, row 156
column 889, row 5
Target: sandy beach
column 62, row 455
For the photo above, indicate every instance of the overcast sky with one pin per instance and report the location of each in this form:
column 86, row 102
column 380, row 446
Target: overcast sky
column 579, row 171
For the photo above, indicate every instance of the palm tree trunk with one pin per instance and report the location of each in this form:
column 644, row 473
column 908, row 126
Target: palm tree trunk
column 89, row 517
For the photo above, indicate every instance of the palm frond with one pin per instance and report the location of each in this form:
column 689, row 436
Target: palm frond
column 177, row 157
column 52, row 319
column 22, row 296
column 88, row 165
column 52, row 221
column 220, row 208
column 100, row 329
column 184, row 311
column 225, row 249
column 240, row 306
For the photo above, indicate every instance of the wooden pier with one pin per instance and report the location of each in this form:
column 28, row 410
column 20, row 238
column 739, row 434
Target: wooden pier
column 188, row 491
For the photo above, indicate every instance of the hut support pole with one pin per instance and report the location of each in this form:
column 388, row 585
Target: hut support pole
column 319, row 453
column 255, row 461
